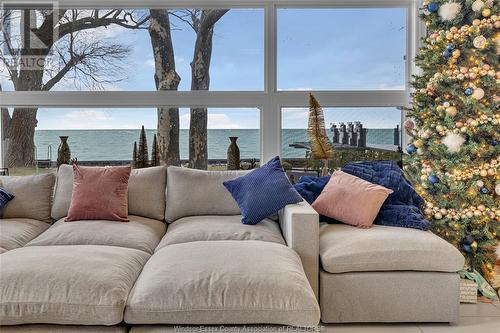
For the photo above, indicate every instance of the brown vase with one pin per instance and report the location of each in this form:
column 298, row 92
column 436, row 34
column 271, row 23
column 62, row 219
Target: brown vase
column 63, row 152
column 233, row 154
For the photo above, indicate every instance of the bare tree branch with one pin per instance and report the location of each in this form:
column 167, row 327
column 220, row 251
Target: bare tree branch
column 182, row 16
column 210, row 17
column 92, row 22
column 72, row 55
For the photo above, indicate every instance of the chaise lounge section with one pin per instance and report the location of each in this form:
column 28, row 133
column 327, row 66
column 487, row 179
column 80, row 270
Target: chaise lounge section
column 387, row 274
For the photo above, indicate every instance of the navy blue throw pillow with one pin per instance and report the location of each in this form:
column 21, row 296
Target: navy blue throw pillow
column 262, row 192
column 5, row 197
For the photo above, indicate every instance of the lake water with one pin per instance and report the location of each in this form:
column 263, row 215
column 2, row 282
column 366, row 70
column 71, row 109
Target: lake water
column 101, row 145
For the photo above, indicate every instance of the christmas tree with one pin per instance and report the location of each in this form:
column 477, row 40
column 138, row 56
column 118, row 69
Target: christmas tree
column 454, row 127
column 134, row 156
column 142, row 152
column 155, row 153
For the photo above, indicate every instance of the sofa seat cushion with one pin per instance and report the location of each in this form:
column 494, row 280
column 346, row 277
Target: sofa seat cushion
column 223, row 282
column 17, row 232
column 67, row 285
column 63, row 329
column 140, row 233
column 345, row 248
column 215, row 228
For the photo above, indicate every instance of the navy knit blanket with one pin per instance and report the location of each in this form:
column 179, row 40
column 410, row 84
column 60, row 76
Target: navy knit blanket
column 403, row 208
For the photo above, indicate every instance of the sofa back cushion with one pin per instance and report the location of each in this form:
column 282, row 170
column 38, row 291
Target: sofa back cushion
column 146, row 192
column 195, row 192
column 62, row 192
column 32, row 196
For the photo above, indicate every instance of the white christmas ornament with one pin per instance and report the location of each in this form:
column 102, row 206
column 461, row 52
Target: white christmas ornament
column 426, row 134
column 453, row 142
column 497, row 189
column 477, row 5
column 479, row 42
column 449, row 11
column 478, row 93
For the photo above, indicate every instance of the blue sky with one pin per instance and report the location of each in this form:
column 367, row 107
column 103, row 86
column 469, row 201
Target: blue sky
column 317, row 49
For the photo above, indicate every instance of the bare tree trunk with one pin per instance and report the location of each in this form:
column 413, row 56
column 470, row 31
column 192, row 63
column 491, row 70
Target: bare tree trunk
column 5, row 119
column 168, row 136
column 5, row 116
column 198, row 137
column 200, row 80
column 20, row 130
column 21, row 136
column 166, row 78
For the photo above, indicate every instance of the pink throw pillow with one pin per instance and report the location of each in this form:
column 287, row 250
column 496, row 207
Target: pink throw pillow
column 351, row 200
column 99, row 193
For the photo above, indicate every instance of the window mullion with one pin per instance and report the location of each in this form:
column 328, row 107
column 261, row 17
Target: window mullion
column 270, row 113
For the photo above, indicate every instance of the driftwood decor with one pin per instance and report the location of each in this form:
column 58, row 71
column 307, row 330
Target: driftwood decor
column 321, row 147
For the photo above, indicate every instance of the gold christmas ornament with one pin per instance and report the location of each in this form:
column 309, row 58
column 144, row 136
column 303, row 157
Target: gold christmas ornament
column 472, row 193
column 418, row 143
column 486, row 12
column 451, row 110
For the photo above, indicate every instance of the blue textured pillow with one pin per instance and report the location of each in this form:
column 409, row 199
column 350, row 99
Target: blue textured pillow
column 5, row 197
column 262, row 192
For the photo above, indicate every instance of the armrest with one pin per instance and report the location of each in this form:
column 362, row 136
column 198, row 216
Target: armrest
column 300, row 227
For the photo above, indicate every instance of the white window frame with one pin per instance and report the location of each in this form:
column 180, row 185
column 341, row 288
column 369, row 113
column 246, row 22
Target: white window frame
column 270, row 101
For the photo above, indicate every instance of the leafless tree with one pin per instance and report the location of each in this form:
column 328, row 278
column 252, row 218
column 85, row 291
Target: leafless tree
column 72, row 55
column 166, row 78
column 202, row 22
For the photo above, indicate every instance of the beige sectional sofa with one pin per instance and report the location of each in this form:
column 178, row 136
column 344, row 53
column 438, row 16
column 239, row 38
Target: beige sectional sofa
column 201, row 266
column 185, row 258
